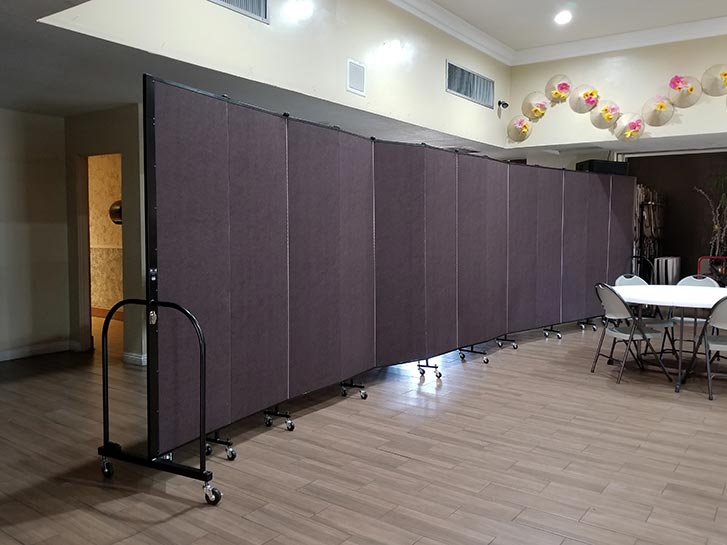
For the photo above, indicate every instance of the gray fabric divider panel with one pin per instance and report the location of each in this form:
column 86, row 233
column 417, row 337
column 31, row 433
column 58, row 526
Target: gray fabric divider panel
column 441, row 251
column 621, row 235
column 193, row 260
column 522, row 247
column 481, row 249
column 356, row 253
column 599, row 196
column 258, row 260
column 549, row 247
column 400, row 280
column 314, row 215
column 575, row 243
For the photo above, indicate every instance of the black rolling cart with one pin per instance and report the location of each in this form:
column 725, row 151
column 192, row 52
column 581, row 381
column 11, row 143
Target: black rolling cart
column 110, row 450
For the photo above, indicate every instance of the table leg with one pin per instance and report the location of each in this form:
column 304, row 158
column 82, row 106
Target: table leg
column 681, row 347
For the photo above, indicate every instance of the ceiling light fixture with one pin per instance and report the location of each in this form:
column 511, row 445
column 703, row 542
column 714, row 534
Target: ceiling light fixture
column 564, row 17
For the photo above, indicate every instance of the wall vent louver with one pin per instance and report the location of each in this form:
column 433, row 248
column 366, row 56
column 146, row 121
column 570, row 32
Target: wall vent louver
column 257, row 9
column 469, row 85
column 356, row 77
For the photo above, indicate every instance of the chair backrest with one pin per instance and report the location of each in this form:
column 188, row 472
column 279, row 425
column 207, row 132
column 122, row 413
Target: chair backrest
column 614, row 306
column 718, row 314
column 699, row 281
column 631, row 280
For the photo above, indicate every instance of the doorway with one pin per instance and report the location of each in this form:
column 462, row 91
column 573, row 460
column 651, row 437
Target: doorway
column 105, row 246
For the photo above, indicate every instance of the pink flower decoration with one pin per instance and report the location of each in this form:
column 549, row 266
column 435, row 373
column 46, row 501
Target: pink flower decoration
column 564, row 87
column 635, row 125
column 678, row 83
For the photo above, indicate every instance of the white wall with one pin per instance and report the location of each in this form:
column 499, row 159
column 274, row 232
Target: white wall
column 101, row 133
column 310, row 57
column 34, row 315
column 629, row 78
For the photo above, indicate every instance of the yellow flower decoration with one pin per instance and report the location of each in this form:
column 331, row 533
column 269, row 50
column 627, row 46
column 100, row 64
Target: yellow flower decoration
column 525, row 129
column 723, row 75
column 690, row 88
column 660, row 106
column 537, row 112
column 591, row 97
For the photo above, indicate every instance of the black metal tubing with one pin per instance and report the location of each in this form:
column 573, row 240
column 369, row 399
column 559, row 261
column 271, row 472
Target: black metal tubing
column 471, row 350
column 113, row 450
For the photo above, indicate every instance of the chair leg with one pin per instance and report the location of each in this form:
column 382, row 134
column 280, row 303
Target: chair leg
column 709, row 372
column 598, row 351
column 658, row 359
column 626, row 353
column 610, row 354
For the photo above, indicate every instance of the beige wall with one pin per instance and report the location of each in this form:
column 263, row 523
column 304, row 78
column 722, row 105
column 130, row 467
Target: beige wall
column 310, row 57
column 629, row 78
column 104, row 188
column 33, row 236
column 111, row 131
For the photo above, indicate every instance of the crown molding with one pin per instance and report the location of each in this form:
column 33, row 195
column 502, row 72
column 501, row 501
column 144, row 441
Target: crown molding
column 457, row 27
column 706, row 28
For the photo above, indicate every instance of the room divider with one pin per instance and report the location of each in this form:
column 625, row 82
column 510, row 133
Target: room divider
column 310, row 255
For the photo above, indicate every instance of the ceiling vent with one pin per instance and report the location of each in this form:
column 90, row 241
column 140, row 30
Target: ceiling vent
column 356, row 78
column 469, row 85
column 257, row 9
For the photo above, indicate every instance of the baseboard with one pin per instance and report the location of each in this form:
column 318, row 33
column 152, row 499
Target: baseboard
column 102, row 312
column 133, row 358
column 38, row 349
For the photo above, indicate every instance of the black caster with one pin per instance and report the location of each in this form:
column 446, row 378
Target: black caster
column 546, row 333
column 107, row 469
column 595, row 327
column 485, row 360
column 461, row 356
column 421, row 371
column 344, row 392
column 289, row 425
column 438, row 374
column 231, row 453
column 582, row 326
column 514, row 346
column 559, row 335
column 499, row 344
column 268, row 421
column 208, row 450
column 363, row 394
column 212, row 495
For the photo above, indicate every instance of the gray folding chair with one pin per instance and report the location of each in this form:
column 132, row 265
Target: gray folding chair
column 616, row 311
column 699, row 281
column 714, row 344
column 631, row 280
column 656, row 321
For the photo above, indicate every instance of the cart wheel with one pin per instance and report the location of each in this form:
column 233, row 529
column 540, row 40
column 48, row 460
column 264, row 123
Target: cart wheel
column 107, row 469
column 231, row 454
column 421, row 371
column 344, row 392
column 582, row 326
column 438, row 374
column 499, row 344
column 461, row 356
column 546, row 333
column 363, row 394
column 212, row 495
column 208, row 450
column 268, row 421
column 514, row 346
column 485, row 360
column 289, row 424
column 559, row 335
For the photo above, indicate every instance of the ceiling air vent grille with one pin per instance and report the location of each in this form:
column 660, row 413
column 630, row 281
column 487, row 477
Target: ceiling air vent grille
column 470, row 85
column 257, row 9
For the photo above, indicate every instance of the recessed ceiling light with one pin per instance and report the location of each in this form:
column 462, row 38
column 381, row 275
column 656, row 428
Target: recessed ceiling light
column 564, row 17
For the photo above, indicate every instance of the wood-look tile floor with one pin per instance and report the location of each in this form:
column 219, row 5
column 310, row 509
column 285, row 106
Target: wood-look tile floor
column 531, row 449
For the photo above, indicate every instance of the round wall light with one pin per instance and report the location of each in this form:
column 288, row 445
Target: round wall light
column 564, row 17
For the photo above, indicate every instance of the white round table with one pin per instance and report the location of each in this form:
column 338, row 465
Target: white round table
column 680, row 297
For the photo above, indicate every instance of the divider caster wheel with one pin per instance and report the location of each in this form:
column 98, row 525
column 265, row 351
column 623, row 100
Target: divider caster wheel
column 231, row 453
column 595, row 327
column 421, row 371
column 268, row 421
column 582, row 326
column 438, row 374
column 344, row 392
column 499, row 344
column 546, row 333
column 208, row 450
column 212, row 495
column 364, row 395
column 461, row 356
column 485, row 360
column 107, row 469
column 289, row 424
column 514, row 346
column 560, row 336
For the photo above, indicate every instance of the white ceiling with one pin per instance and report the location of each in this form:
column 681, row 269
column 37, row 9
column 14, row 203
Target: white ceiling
column 522, row 31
